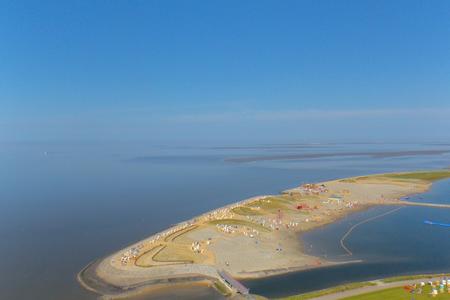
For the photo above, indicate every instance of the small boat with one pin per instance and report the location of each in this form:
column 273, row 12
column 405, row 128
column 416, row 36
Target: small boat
column 436, row 223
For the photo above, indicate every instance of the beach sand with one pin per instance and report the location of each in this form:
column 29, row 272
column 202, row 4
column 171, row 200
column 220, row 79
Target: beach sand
column 253, row 238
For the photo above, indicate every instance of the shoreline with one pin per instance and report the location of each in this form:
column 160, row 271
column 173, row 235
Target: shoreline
column 275, row 272
column 363, row 287
column 123, row 279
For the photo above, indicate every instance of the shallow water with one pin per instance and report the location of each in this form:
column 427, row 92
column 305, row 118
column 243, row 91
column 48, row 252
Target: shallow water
column 64, row 205
column 189, row 292
column 395, row 244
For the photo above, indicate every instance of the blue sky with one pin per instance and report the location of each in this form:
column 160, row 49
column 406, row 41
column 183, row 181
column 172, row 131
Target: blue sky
column 224, row 70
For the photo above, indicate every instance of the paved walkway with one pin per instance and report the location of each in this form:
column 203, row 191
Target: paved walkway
column 437, row 205
column 379, row 286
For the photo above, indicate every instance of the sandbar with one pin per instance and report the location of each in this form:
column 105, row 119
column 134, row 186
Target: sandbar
column 253, row 238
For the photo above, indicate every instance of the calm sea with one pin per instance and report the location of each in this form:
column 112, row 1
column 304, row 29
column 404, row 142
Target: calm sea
column 63, row 205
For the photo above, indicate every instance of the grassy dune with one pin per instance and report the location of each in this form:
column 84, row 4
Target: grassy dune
column 176, row 253
column 246, row 211
column 268, row 204
column 427, row 176
column 271, row 204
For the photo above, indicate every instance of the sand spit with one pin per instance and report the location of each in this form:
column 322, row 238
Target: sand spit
column 254, row 238
column 382, row 154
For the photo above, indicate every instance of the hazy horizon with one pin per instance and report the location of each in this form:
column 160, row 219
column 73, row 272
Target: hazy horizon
column 225, row 72
column 120, row 120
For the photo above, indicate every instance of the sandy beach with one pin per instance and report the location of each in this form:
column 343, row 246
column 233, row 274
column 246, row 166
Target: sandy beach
column 254, row 238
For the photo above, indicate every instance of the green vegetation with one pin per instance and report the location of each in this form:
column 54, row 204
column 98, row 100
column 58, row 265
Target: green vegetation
column 419, row 175
column 423, row 175
column 333, row 290
column 145, row 259
column 246, row 211
column 270, row 203
column 240, row 223
column 355, row 179
column 348, row 180
column 391, row 294
column 310, row 198
column 399, row 293
column 412, row 277
column 176, row 254
column 285, row 199
column 222, row 288
column 267, row 204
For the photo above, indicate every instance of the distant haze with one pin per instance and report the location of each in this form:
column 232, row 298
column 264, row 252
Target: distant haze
column 229, row 71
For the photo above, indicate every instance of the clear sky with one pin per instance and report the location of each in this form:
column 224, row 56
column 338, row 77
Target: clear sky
column 224, row 70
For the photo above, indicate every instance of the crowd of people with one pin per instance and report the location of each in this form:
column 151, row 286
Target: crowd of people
column 312, row 189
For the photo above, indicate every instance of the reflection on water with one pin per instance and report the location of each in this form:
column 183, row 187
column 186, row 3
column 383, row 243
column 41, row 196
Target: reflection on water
column 64, row 205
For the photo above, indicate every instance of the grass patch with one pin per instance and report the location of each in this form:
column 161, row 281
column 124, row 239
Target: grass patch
column 285, row 199
column 176, row 254
column 222, row 288
column 418, row 175
column 348, row 180
column 399, row 293
column 310, row 198
column 412, row 277
column 333, row 290
column 354, row 179
column 424, row 175
column 246, row 211
column 391, row 294
column 240, row 223
column 145, row 260
column 270, row 203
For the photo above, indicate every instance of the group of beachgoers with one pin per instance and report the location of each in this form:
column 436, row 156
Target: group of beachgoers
column 437, row 287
